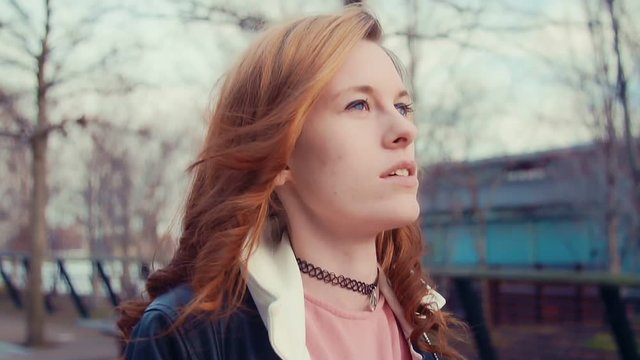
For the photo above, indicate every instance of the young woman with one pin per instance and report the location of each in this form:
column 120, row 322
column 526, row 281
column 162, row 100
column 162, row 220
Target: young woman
column 300, row 237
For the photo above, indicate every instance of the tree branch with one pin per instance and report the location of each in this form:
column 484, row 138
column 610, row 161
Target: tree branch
column 100, row 64
column 200, row 12
column 23, row 14
column 16, row 64
column 61, row 126
column 621, row 94
column 457, row 7
column 71, row 46
column 18, row 136
column 21, row 39
column 7, row 103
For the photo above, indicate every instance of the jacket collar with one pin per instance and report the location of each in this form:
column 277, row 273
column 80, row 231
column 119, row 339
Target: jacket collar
column 275, row 284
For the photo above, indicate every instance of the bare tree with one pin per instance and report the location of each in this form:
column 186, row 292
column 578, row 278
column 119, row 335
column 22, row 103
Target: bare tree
column 37, row 136
column 152, row 196
column 108, row 196
column 622, row 98
column 597, row 76
column 602, row 84
column 14, row 188
column 602, row 112
column 41, row 52
column 127, row 192
column 450, row 110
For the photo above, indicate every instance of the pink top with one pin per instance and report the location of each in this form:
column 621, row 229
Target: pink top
column 338, row 334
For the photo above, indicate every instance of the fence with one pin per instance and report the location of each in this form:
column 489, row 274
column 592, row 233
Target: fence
column 581, row 292
column 74, row 276
column 468, row 282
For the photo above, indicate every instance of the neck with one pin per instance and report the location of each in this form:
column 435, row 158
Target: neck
column 355, row 258
column 343, row 254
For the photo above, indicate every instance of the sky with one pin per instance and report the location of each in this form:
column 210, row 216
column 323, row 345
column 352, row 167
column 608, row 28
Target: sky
column 515, row 91
column 504, row 90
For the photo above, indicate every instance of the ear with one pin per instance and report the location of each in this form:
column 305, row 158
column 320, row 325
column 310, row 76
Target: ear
column 282, row 177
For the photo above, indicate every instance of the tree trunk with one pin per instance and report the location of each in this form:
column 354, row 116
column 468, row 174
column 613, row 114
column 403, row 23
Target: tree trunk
column 612, row 234
column 126, row 191
column 127, row 282
column 35, row 298
column 611, row 215
column 89, row 199
column 480, row 237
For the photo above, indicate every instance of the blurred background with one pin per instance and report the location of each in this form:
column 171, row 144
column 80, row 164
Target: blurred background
column 529, row 122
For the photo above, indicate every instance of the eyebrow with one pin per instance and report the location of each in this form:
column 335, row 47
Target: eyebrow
column 368, row 89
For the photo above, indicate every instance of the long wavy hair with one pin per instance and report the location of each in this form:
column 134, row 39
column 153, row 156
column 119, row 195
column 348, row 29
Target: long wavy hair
column 261, row 109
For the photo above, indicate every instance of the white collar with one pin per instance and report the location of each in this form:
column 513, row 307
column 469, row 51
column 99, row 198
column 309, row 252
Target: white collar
column 275, row 284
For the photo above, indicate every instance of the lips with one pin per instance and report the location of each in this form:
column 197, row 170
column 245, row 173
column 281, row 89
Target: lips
column 401, row 169
column 402, row 174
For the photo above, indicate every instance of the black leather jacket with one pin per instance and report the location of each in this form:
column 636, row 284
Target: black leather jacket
column 241, row 336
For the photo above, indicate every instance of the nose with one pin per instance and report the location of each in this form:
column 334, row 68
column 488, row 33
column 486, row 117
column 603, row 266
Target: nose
column 401, row 132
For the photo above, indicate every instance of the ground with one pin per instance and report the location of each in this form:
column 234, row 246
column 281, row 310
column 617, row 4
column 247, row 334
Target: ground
column 566, row 341
column 73, row 339
column 68, row 337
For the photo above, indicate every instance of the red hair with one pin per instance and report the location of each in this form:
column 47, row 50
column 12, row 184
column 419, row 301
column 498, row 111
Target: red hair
column 259, row 115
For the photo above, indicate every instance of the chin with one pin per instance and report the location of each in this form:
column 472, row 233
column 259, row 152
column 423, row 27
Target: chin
column 406, row 219
column 398, row 216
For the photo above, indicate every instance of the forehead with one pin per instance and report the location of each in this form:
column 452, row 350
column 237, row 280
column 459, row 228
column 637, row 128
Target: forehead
column 367, row 64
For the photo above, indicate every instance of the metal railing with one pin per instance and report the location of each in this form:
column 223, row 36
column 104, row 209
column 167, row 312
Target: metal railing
column 609, row 286
column 463, row 280
column 12, row 281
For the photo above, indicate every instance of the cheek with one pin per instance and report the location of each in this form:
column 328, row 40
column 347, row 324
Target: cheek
column 322, row 168
column 335, row 159
column 323, row 175
column 319, row 152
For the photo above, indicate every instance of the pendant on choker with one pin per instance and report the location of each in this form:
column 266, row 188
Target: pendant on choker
column 373, row 299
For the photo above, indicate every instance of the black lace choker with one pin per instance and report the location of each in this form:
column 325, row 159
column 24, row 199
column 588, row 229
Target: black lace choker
column 342, row 281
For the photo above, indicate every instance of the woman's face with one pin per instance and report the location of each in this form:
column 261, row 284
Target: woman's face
column 354, row 164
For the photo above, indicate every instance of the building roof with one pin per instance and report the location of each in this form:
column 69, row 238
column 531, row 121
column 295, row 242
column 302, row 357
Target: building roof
column 570, row 178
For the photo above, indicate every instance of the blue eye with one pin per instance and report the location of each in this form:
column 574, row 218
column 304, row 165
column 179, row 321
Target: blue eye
column 358, row 105
column 404, row 109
